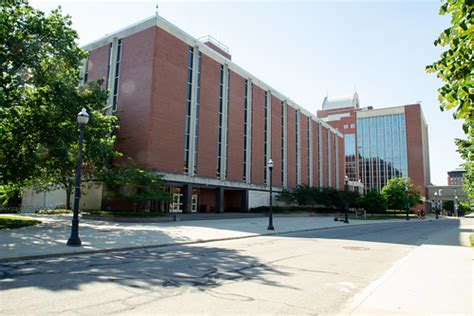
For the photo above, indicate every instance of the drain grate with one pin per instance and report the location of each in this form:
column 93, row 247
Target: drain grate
column 356, row 248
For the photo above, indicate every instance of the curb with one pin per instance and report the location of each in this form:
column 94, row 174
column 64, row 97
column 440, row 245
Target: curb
column 108, row 250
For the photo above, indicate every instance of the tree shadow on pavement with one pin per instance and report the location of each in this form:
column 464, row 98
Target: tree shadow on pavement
column 147, row 269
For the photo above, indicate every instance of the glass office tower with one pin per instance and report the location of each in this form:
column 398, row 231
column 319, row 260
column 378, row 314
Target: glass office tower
column 381, row 149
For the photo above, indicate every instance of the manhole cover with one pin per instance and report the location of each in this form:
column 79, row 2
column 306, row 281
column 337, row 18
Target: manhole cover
column 356, row 248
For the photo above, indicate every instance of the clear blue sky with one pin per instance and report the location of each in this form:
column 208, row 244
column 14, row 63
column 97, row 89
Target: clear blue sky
column 304, row 49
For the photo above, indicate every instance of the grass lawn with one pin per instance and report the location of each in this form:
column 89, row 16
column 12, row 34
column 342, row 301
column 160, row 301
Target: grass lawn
column 471, row 239
column 52, row 212
column 9, row 222
column 126, row 213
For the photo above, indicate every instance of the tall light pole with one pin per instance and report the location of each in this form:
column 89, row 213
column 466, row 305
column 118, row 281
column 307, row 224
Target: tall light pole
column 436, row 205
column 407, row 205
column 456, row 210
column 346, row 202
column 270, row 214
column 82, row 119
column 440, row 201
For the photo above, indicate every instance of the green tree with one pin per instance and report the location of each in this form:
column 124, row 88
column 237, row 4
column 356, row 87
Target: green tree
column 40, row 99
column 374, row 202
column 395, row 193
column 286, row 196
column 456, row 68
column 128, row 182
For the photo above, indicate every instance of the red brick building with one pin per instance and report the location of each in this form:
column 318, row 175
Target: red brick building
column 381, row 144
column 207, row 125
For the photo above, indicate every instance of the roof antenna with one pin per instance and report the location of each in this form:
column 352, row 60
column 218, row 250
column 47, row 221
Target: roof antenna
column 355, row 89
column 156, row 9
column 327, row 92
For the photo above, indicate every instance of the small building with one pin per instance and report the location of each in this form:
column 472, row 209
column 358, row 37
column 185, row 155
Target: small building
column 456, row 176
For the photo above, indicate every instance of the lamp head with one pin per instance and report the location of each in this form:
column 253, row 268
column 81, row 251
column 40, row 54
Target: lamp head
column 346, row 179
column 270, row 163
column 83, row 117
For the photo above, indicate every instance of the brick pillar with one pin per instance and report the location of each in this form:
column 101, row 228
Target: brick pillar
column 219, row 199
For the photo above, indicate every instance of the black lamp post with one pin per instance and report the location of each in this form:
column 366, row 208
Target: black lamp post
column 407, row 203
column 270, row 214
column 456, row 207
column 346, row 202
column 436, row 205
column 82, row 119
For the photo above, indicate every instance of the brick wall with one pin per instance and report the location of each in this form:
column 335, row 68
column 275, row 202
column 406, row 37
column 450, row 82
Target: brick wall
column 208, row 117
column 258, row 125
column 276, row 140
column 135, row 92
column 236, row 128
column 291, row 147
column 304, row 148
column 168, row 103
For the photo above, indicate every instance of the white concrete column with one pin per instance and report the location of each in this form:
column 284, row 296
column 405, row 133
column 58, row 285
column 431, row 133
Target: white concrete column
column 111, row 75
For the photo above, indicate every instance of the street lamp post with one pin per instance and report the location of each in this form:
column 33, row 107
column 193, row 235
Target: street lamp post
column 456, row 210
column 82, row 119
column 346, row 202
column 436, row 205
column 407, row 204
column 440, row 201
column 270, row 214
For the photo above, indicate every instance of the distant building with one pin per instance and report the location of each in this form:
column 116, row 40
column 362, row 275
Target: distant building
column 381, row 144
column 456, row 176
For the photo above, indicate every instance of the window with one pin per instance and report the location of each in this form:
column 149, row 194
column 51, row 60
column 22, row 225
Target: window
column 346, row 126
column 196, row 119
column 117, row 76
column 308, row 135
column 353, row 125
column 109, row 66
column 220, row 118
column 265, row 133
column 297, row 144
column 246, row 105
column 282, row 143
column 86, row 71
column 187, row 131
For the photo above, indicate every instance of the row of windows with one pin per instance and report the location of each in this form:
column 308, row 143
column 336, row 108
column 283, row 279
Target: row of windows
column 220, row 121
column 382, row 149
column 246, row 109
column 189, row 89
column 265, row 140
column 346, row 126
column 117, row 75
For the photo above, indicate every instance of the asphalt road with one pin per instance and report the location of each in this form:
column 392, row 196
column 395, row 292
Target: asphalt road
column 303, row 273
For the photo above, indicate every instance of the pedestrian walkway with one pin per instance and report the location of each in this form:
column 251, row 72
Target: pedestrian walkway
column 443, row 275
column 49, row 238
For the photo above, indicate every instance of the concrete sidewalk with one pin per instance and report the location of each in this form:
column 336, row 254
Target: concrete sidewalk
column 49, row 238
column 443, row 275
